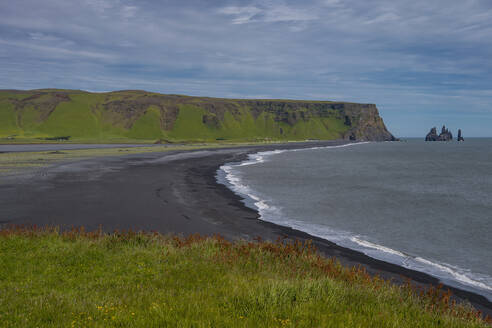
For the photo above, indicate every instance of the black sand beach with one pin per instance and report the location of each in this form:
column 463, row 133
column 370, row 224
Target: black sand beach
column 172, row 192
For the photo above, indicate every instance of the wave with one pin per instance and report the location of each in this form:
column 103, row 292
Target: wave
column 453, row 275
column 442, row 270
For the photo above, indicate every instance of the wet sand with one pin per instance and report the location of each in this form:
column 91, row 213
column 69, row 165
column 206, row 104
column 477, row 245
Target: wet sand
column 172, row 192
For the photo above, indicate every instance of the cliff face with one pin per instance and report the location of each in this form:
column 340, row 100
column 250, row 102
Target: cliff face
column 151, row 116
column 366, row 123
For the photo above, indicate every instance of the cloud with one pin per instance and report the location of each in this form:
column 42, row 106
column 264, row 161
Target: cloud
column 268, row 13
column 411, row 58
column 241, row 14
column 59, row 53
column 128, row 12
column 332, row 3
column 384, row 18
column 101, row 6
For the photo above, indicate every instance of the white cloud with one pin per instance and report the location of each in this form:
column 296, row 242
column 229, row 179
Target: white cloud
column 128, row 12
column 101, row 6
column 271, row 12
column 57, row 52
column 241, row 14
column 43, row 37
column 332, row 3
column 384, row 18
column 283, row 13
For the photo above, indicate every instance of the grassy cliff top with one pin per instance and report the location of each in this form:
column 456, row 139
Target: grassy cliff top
column 139, row 116
column 148, row 93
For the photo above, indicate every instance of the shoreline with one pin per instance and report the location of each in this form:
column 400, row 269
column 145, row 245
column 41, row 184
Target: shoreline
column 174, row 192
column 350, row 257
column 228, row 176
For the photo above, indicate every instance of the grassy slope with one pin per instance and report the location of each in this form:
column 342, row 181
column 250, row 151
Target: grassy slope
column 48, row 280
column 147, row 126
column 85, row 120
column 73, row 118
column 8, row 124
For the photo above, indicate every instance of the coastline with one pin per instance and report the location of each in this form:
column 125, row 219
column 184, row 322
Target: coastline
column 296, row 216
column 181, row 185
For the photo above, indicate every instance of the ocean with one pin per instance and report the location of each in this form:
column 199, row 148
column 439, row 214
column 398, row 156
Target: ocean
column 422, row 205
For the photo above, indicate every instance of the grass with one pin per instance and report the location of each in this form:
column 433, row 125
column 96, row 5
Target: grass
column 79, row 279
column 128, row 116
column 73, row 118
column 148, row 126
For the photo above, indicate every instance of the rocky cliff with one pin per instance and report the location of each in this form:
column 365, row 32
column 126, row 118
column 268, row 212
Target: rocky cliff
column 140, row 115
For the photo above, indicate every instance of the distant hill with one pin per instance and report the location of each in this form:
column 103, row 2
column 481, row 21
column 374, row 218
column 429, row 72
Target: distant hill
column 129, row 116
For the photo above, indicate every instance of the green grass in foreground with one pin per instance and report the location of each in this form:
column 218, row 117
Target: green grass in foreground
column 75, row 279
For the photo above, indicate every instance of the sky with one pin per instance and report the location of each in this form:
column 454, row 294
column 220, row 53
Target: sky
column 423, row 63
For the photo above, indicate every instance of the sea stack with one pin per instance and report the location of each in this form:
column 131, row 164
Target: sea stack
column 460, row 137
column 432, row 135
column 445, row 135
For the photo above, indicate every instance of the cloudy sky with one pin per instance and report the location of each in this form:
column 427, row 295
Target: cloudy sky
column 423, row 62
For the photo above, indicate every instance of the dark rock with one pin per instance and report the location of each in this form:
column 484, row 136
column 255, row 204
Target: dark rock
column 445, row 135
column 211, row 120
column 61, row 138
column 460, row 137
column 432, row 135
column 347, row 122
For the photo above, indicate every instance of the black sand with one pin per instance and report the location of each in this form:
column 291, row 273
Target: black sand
column 173, row 192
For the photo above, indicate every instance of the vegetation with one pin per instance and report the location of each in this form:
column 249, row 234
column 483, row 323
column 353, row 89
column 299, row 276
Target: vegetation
column 139, row 116
column 79, row 279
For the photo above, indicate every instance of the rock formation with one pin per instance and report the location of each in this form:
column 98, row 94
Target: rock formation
column 460, row 137
column 445, row 135
column 432, row 135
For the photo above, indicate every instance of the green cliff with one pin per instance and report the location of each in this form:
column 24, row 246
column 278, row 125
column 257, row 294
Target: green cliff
column 147, row 117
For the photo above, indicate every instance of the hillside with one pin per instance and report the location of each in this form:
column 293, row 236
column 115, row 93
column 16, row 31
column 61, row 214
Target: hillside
column 128, row 279
column 50, row 114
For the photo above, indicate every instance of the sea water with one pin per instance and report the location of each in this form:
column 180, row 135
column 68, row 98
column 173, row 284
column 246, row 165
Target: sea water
column 423, row 205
